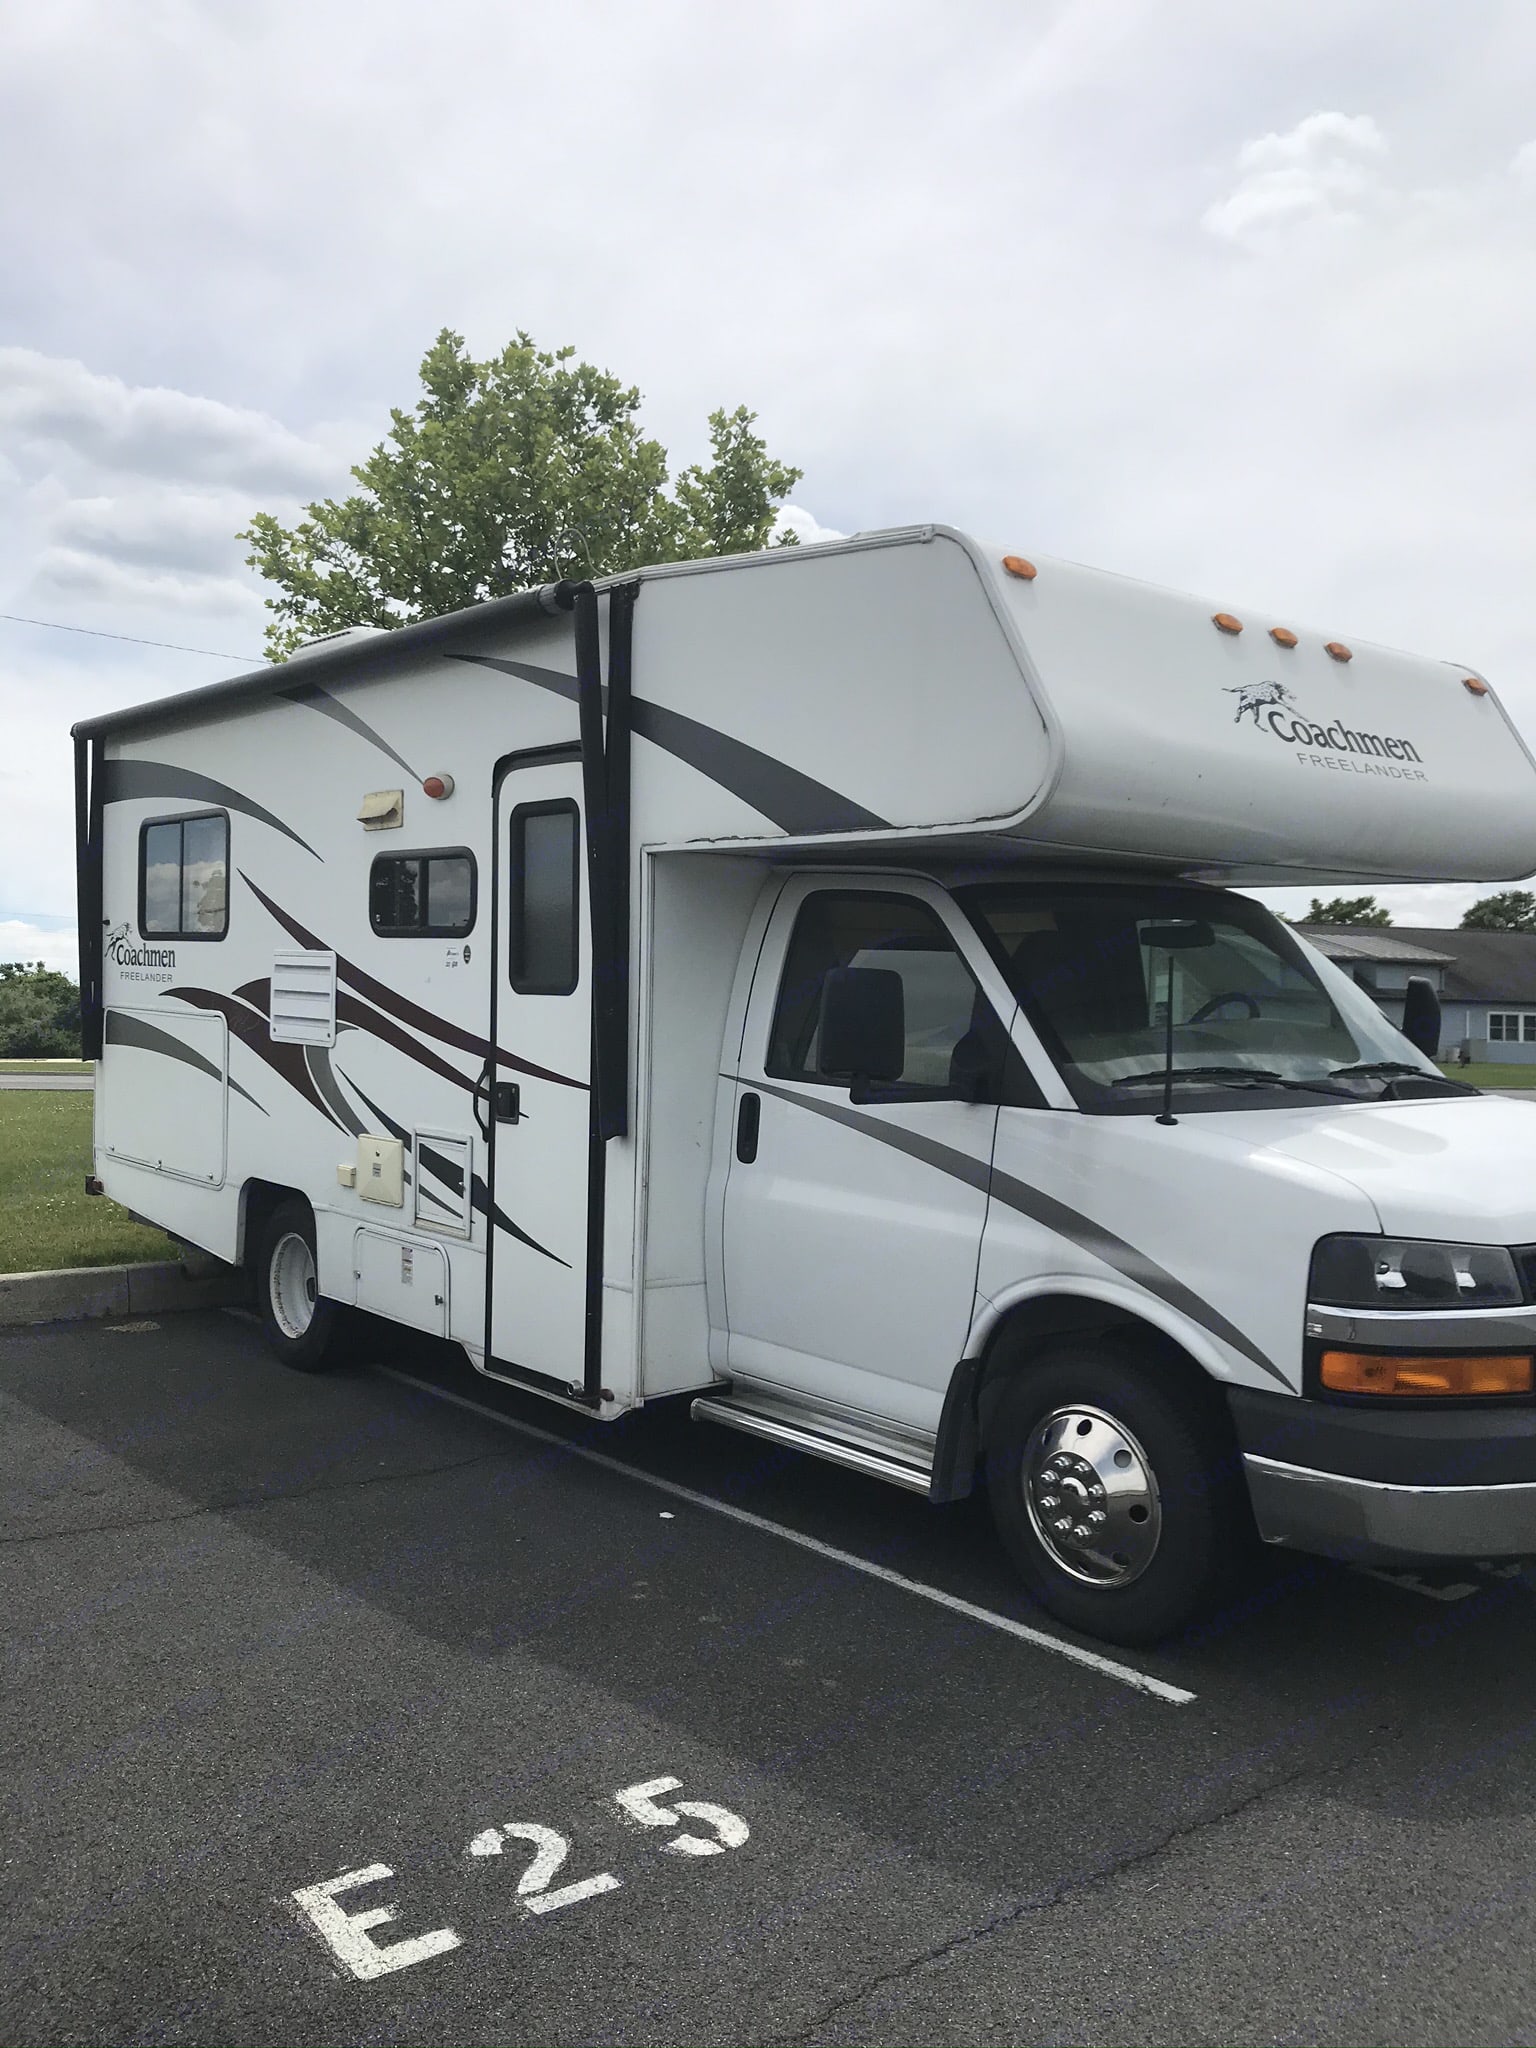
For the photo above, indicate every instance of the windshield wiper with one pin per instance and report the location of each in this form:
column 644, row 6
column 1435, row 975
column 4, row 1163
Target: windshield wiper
column 1263, row 1077
column 1391, row 1070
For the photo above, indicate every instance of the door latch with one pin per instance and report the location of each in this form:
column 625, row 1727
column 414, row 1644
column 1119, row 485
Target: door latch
column 507, row 1102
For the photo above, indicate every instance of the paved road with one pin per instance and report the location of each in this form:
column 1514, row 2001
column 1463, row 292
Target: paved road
column 265, row 1633
column 47, row 1081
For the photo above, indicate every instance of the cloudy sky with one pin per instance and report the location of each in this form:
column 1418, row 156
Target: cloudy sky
column 1236, row 298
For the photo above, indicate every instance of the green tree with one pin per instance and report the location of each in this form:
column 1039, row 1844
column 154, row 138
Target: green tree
column 1510, row 910
column 507, row 474
column 39, row 1013
column 1347, row 910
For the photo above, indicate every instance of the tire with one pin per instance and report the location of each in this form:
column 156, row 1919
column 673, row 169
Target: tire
column 1088, row 1426
column 300, row 1324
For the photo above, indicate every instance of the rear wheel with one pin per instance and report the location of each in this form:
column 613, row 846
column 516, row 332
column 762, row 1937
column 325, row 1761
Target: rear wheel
column 1113, row 1490
column 301, row 1325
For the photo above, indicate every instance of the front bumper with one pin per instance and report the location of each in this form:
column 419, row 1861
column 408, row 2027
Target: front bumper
column 1371, row 1521
column 1391, row 1488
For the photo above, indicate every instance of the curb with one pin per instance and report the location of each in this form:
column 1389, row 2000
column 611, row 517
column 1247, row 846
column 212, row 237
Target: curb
column 79, row 1292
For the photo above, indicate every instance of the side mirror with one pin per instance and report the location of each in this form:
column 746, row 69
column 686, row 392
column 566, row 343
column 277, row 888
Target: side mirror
column 863, row 1030
column 1421, row 1015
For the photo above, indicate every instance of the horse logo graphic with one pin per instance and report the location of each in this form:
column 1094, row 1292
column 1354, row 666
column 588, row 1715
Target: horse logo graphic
column 1256, row 697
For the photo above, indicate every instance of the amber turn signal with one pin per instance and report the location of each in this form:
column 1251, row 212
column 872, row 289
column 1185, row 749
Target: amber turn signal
column 1282, row 636
column 1338, row 650
column 1369, row 1372
column 1475, row 684
column 1225, row 623
column 1016, row 565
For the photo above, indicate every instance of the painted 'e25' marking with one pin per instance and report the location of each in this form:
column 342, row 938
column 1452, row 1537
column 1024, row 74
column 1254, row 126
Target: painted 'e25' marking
column 347, row 1935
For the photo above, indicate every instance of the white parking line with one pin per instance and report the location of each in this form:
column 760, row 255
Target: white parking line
column 1107, row 1667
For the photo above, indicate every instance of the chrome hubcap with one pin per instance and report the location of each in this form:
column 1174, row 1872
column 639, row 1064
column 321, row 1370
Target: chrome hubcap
column 292, row 1285
column 1092, row 1496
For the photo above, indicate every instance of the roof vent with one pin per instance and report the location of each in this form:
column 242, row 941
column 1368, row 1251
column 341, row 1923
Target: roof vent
column 326, row 641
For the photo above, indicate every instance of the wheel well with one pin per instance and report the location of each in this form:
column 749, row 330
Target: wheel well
column 1024, row 1329
column 258, row 1200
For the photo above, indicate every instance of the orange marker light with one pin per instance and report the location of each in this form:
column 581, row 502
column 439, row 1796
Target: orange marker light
column 1225, row 623
column 1339, row 651
column 1366, row 1372
column 1016, row 565
column 1282, row 636
column 1475, row 684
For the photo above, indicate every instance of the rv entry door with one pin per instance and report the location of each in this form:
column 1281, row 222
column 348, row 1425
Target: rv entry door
column 533, row 1102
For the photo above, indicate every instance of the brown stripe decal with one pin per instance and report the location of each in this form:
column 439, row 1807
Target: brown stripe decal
column 125, row 780
column 250, row 1026
column 316, row 699
column 795, row 802
column 402, row 1007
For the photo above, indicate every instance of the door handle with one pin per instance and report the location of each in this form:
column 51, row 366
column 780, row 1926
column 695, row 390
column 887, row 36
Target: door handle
column 481, row 1099
column 749, row 1119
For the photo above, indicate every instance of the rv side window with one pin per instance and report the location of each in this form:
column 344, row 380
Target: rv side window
column 184, row 877
column 422, row 895
column 543, row 955
column 941, row 1003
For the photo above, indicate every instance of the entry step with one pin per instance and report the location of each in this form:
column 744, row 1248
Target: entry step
column 900, row 1457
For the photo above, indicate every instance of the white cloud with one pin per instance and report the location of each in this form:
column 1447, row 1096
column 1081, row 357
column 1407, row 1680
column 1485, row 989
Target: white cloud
column 61, row 576
column 805, row 526
column 52, row 404
column 1326, row 168
column 54, row 947
column 1436, row 904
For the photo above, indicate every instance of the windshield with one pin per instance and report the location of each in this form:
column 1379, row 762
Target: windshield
column 1257, row 1016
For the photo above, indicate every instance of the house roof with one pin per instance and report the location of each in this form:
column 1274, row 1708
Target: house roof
column 1369, row 942
column 1480, row 967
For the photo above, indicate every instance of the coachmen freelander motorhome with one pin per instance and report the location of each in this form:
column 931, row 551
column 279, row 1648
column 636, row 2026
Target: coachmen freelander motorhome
column 808, row 982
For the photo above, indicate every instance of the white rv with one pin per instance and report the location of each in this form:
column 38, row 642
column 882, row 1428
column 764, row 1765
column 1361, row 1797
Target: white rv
column 811, row 984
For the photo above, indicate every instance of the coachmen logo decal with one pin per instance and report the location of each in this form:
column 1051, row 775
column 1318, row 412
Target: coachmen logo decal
column 135, row 961
column 1338, row 746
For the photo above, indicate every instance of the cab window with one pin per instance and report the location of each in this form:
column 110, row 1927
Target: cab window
column 942, row 1003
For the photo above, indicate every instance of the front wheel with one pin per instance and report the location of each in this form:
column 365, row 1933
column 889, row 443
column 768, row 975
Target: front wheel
column 301, row 1325
column 1113, row 1490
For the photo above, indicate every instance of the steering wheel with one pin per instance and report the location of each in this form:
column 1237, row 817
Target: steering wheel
column 1231, row 995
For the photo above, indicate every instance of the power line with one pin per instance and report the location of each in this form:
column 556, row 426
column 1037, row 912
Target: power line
column 95, row 632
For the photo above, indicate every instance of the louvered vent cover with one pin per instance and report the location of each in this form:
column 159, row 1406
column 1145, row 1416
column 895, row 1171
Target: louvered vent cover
column 304, row 998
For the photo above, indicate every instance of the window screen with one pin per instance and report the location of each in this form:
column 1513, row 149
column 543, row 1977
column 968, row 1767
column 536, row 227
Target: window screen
column 942, row 1001
column 422, row 895
column 543, row 957
column 184, row 877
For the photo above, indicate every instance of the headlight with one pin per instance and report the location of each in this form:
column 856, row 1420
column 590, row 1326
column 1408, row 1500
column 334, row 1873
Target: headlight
column 1411, row 1273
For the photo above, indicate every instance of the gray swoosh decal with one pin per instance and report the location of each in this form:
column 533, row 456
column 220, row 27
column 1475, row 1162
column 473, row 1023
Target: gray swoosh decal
column 331, row 707
column 123, row 1029
column 1044, row 1209
column 124, row 780
column 317, row 1058
column 796, row 803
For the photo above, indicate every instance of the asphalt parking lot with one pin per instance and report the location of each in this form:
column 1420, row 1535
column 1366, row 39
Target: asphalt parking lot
column 321, row 1694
